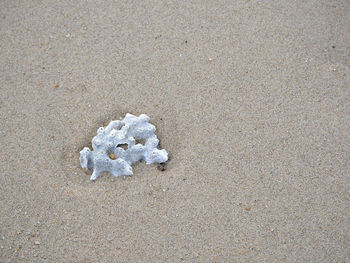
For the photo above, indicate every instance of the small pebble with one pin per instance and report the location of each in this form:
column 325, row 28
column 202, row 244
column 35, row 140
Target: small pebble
column 112, row 156
column 37, row 243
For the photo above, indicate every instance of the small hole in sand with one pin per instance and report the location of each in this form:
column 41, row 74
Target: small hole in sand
column 124, row 146
column 161, row 167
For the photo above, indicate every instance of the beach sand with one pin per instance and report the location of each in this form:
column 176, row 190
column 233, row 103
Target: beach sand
column 250, row 98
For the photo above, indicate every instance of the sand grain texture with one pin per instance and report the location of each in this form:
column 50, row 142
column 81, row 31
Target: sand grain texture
column 250, row 98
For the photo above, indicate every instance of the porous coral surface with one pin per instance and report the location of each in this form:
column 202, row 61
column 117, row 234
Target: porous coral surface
column 119, row 145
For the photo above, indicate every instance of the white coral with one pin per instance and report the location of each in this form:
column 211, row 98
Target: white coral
column 108, row 144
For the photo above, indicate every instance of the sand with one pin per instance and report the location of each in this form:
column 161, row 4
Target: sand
column 250, row 98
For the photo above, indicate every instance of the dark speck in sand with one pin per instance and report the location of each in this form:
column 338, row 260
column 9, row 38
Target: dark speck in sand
column 161, row 167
